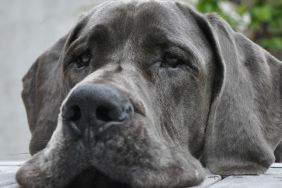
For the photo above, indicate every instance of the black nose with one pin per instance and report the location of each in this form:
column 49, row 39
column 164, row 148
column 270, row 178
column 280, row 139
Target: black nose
column 96, row 105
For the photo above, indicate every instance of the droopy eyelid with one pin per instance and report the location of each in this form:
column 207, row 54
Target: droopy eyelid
column 74, row 51
column 189, row 53
column 185, row 53
column 81, row 41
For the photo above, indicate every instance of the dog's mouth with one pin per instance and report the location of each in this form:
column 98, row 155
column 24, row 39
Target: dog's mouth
column 124, row 157
column 92, row 177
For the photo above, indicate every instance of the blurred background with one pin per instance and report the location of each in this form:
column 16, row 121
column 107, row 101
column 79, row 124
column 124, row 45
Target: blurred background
column 29, row 27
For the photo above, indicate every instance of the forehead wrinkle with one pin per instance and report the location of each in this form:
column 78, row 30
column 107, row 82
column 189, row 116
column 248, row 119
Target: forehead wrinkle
column 122, row 16
column 162, row 14
column 100, row 33
column 151, row 13
column 102, row 10
column 117, row 17
column 155, row 36
column 158, row 20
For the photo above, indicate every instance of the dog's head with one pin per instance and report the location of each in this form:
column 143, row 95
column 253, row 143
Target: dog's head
column 138, row 91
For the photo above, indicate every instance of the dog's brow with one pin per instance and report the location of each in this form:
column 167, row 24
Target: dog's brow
column 155, row 36
column 99, row 33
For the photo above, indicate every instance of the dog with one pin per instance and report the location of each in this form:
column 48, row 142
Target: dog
column 149, row 94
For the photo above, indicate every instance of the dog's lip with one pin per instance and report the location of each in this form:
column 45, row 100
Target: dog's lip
column 106, row 126
column 109, row 129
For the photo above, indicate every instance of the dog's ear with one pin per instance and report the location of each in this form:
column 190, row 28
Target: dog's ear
column 44, row 89
column 42, row 95
column 244, row 125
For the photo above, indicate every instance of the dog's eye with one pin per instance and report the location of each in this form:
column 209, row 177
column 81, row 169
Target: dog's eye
column 82, row 61
column 171, row 61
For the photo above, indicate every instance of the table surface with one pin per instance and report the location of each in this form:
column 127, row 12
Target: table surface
column 271, row 179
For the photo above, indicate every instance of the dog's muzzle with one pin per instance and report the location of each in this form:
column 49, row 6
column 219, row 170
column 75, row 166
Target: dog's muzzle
column 104, row 138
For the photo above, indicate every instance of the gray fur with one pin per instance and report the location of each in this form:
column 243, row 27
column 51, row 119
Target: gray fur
column 221, row 109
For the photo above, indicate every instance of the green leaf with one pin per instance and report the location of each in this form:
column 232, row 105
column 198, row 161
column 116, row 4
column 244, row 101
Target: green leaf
column 266, row 15
column 274, row 43
column 242, row 9
column 262, row 14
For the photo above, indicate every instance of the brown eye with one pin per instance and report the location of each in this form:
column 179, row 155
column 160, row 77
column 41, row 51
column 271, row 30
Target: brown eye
column 82, row 61
column 171, row 61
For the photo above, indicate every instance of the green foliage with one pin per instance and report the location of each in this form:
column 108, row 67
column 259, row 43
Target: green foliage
column 265, row 25
column 274, row 43
column 213, row 6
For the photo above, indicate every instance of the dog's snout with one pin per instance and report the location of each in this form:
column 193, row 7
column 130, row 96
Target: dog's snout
column 97, row 105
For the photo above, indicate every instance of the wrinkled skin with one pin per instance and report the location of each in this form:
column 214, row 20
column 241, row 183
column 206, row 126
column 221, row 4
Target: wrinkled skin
column 215, row 103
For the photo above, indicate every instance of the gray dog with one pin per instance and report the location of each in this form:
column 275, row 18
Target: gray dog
column 146, row 94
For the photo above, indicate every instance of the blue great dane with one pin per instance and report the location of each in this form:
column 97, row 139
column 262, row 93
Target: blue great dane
column 148, row 94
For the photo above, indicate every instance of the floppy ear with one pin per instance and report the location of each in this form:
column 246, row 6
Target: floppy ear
column 244, row 125
column 44, row 89
column 42, row 95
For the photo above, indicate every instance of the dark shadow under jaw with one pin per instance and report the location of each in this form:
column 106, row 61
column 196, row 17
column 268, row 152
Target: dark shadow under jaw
column 93, row 178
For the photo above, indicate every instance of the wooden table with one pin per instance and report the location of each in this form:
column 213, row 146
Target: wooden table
column 271, row 179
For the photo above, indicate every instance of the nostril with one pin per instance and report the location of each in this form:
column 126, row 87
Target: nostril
column 71, row 116
column 107, row 114
column 103, row 114
column 74, row 113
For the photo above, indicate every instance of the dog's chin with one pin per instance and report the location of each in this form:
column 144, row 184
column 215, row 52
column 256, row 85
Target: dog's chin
column 176, row 174
column 124, row 156
column 94, row 178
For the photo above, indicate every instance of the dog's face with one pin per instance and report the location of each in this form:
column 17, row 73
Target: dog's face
column 153, row 58
column 133, row 62
column 132, row 86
